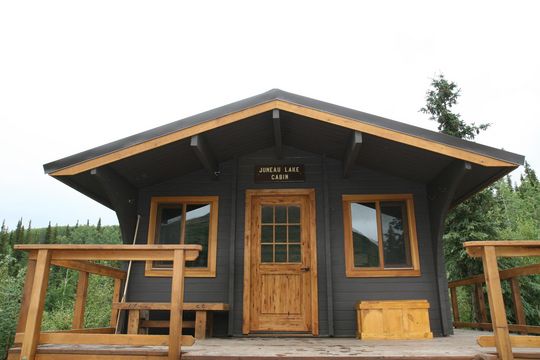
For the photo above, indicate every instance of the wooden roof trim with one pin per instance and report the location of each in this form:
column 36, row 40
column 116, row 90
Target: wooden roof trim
column 353, row 124
column 164, row 140
column 393, row 135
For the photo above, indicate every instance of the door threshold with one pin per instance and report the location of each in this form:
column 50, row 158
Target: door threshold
column 281, row 334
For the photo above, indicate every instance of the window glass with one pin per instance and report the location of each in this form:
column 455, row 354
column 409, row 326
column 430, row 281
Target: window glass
column 267, row 253
column 395, row 234
column 295, row 254
column 364, row 234
column 280, row 234
column 267, row 214
column 294, row 214
column 197, row 231
column 281, row 214
column 169, row 228
column 281, row 253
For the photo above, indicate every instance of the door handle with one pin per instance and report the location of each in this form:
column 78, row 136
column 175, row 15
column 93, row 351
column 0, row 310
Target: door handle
column 304, row 269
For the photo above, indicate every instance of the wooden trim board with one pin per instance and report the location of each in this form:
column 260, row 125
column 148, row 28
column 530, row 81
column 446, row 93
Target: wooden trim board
column 381, row 270
column 213, row 201
column 319, row 115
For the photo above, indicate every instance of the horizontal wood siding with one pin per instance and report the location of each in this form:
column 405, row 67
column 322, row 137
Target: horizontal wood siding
column 347, row 291
column 142, row 289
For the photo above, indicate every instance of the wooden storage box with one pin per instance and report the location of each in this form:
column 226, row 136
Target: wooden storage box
column 394, row 319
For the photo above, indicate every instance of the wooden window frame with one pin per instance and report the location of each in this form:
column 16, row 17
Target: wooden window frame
column 210, row 270
column 380, row 271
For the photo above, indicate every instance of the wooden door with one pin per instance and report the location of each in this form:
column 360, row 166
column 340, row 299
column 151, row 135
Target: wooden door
column 282, row 280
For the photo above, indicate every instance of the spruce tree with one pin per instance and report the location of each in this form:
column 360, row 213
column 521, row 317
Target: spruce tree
column 29, row 232
column 55, row 233
column 469, row 220
column 477, row 218
column 48, row 234
column 19, row 232
column 98, row 227
column 439, row 102
column 4, row 239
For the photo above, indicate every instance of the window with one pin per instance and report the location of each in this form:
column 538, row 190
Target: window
column 184, row 220
column 281, row 234
column 380, row 236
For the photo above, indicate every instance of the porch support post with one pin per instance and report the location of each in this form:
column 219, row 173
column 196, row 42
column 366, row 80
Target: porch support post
column 278, row 145
column 80, row 301
column 482, row 314
column 440, row 193
column 206, row 157
column 352, row 153
column 177, row 302
column 123, row 198
column 26, row 295
column 116, row 298
column 496, row 304
column 35, row 308
column 519, row 312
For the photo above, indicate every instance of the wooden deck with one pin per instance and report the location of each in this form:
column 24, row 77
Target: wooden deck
column 462, row 345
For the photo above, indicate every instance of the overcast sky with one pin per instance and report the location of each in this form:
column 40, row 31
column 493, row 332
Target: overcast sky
column 78, row 74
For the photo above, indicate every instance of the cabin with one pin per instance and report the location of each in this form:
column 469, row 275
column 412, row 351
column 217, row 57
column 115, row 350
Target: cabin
column 303, row 214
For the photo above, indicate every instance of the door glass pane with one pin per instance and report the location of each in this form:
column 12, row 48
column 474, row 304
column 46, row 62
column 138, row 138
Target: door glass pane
column 267, row 253
column 197, row 232
column 395, row 234
column 294, row 233
column 295, row 255
column 267, row 234
column 281, row 253
column 281, row 214
column 267, row 214
column 281, row 233
column 294, row 214
column 168, row 229
column 364, row 233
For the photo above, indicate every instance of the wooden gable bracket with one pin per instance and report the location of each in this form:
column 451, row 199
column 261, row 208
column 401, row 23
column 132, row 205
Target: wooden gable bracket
column 200, row 146
column 440, row 192
column 123, row 197
column 278, row 141
column 353, row 149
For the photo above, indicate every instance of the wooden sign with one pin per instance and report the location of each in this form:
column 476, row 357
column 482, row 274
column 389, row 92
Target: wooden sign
column 279, row 173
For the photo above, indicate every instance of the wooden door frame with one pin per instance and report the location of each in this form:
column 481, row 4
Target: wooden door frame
column 312, row 244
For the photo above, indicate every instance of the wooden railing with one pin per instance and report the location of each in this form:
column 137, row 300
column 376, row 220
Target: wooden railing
column 477, row 282
column 488, row 251
column 78, row 257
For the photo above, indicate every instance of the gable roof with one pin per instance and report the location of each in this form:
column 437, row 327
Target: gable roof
column 300, row 105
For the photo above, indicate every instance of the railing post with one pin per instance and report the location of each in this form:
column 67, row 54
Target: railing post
column 35, row 308
column 26, row 295
column 177, row 301
column 518, row 304
column 496, row 303
column 481, row 301
column 80, row 300
column 115, row 298
column 455, row 308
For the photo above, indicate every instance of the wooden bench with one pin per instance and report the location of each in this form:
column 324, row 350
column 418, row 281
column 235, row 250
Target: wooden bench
column 203, row 316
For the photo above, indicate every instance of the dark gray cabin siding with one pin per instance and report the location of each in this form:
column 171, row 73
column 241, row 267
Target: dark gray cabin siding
column 346, row 291
column 158, row 289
